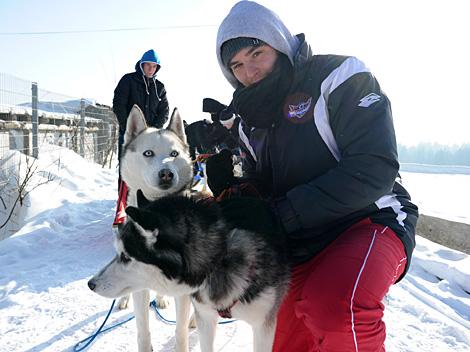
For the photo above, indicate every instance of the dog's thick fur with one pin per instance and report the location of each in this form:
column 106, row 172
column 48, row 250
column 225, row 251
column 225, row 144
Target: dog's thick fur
column 177, row 246
column 157, row 162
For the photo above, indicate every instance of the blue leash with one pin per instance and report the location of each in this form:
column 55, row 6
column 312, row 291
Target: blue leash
column 90, row 339
column 153, row 304
column 100, row 330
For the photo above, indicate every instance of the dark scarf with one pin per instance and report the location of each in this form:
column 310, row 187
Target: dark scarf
column 260, row 105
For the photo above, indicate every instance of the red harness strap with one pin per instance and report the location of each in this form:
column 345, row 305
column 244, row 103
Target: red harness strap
column 227, row 312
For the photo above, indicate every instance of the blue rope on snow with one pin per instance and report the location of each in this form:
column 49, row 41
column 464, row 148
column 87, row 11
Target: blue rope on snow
column 90, row 338
column 153, row 304
column 100, row 330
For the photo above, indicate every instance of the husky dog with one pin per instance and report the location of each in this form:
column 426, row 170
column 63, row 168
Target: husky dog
column 178, row 246
column 157, row 162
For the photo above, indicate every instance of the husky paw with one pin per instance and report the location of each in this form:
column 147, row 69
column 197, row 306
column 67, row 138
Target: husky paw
column 123, row 302
column 162, row 302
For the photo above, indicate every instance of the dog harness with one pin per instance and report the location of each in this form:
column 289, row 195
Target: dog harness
column 227, row 312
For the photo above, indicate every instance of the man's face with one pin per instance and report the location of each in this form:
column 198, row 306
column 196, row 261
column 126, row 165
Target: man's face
column 149, row 69
column 252, row 64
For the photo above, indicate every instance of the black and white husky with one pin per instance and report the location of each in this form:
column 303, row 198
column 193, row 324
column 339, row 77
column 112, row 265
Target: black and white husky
column 178, row 247
column 157, row 162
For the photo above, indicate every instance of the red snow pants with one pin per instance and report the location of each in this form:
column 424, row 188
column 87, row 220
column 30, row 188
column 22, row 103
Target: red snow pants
column 334, row 303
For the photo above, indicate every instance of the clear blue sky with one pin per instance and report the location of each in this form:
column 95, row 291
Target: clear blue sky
column 418, row 50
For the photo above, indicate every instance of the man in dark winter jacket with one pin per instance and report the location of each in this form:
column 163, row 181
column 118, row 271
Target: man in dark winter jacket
column 142, row 88
column 320, row 146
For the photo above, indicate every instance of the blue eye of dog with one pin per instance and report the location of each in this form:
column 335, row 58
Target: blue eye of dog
column 124, row 258
column 174, row 154
column 148, row 153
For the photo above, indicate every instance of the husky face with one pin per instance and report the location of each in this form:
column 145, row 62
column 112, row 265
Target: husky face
column 167, row 246
column 155, row 161
column 126, row 274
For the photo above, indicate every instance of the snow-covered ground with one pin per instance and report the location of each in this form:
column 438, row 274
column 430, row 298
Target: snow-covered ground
column 441, row 195
column 45, row 304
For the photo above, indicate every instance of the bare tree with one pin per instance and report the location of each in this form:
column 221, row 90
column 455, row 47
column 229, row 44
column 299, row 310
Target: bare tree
column 25, row 186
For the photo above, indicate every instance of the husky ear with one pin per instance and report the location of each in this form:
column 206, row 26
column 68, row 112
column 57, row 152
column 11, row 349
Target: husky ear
column 176, row 125
column 141, row 200
column 133, row 212
column 135, row 124
column 138, row 217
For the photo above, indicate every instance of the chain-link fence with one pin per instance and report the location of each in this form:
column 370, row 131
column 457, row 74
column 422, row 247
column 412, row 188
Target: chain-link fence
column 34, row 120
column 30, row 116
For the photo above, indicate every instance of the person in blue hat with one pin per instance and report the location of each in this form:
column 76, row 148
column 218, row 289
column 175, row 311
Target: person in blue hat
column 144, row 89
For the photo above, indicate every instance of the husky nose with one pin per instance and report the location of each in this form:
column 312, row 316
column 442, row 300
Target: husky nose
column 165, row 175
column 91, row 285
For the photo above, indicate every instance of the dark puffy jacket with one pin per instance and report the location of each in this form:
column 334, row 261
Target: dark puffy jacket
column 331, row 160
column 148, row 93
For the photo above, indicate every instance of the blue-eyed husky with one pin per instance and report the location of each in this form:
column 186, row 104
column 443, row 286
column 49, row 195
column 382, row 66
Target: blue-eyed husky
column 157, row 162
column 178, row 246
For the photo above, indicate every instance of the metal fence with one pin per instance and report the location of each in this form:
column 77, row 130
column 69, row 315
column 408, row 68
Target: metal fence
column 30, row 116
column 34, row 121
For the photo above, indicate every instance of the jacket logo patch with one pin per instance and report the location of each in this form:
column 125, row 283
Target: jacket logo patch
column 298, row 108
column 298, row 111
column 368, row 100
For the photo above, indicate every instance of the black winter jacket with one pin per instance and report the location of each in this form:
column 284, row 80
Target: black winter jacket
column 148, row 94
column 331, row 160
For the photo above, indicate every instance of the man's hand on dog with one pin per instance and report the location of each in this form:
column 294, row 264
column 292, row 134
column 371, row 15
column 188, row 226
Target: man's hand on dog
column 253, row 214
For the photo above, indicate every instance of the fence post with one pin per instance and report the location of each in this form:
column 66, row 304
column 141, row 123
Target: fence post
column 82, row 127
column 34, row 117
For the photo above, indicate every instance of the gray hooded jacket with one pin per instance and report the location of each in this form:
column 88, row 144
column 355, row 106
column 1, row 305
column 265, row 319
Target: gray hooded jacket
column 331, row 161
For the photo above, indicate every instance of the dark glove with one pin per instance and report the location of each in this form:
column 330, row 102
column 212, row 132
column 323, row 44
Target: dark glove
column 204, row 136
column 251, row 214
column 225, row 114
column 219, row 170
column 213, row 107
